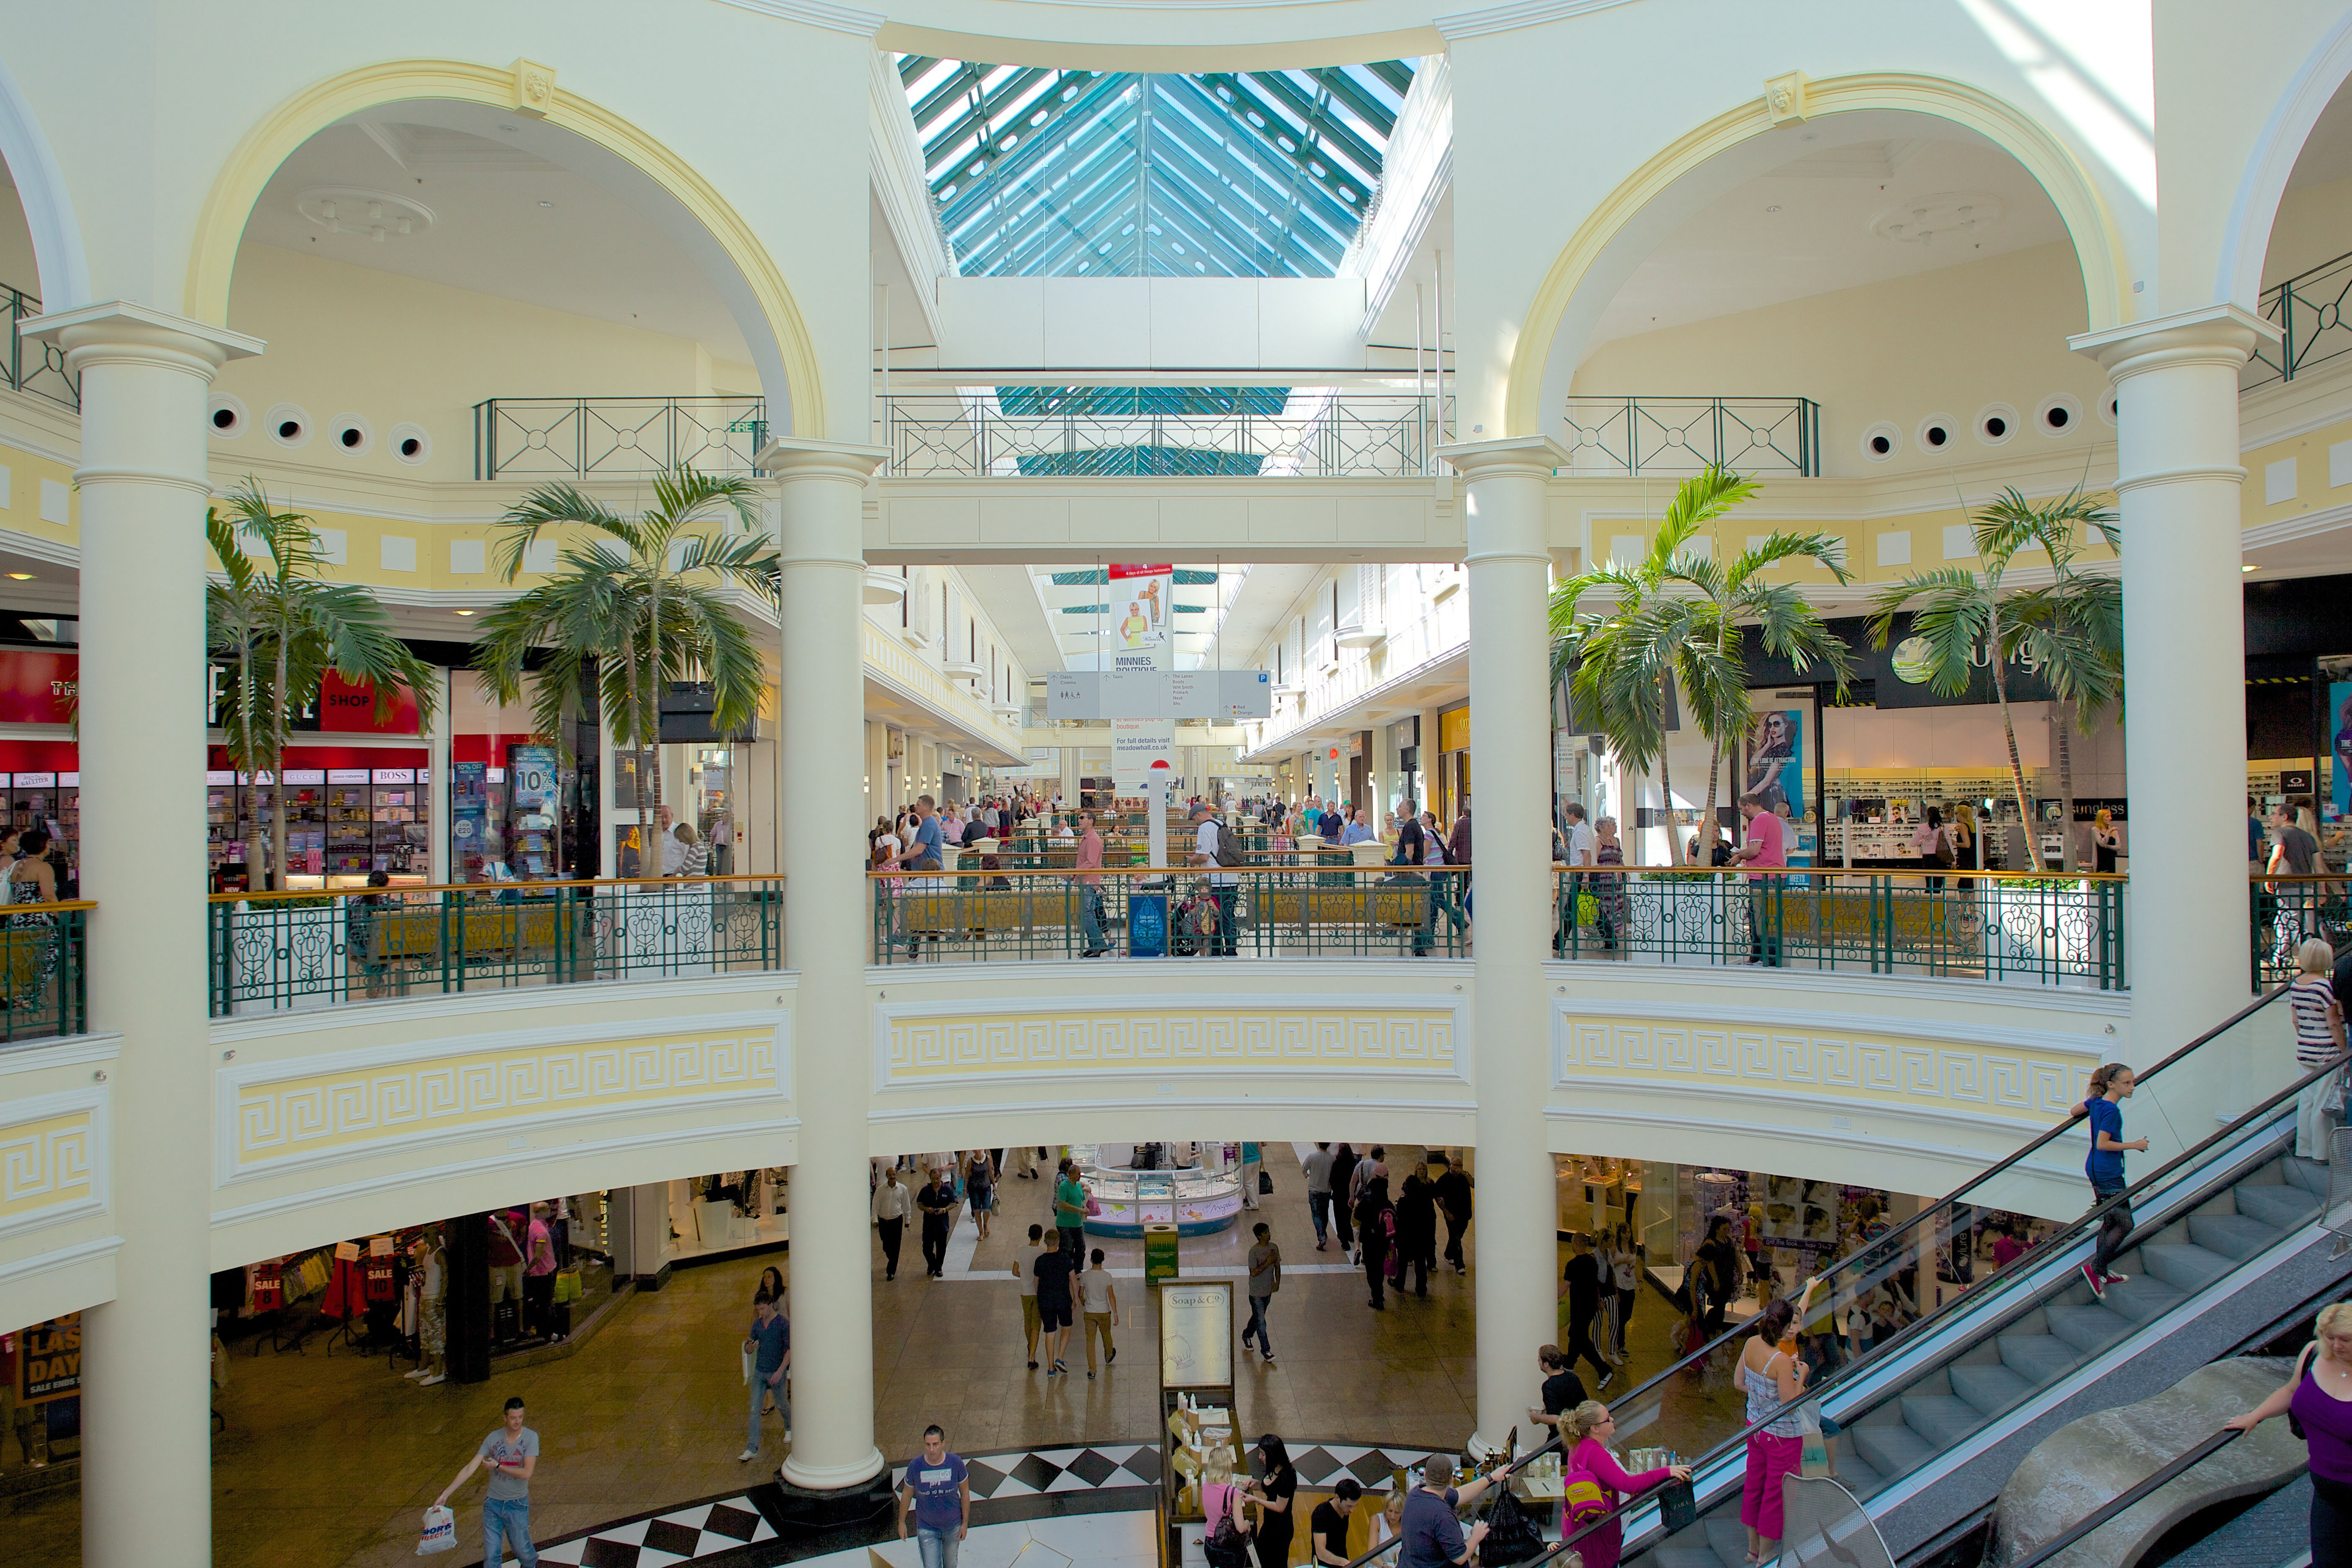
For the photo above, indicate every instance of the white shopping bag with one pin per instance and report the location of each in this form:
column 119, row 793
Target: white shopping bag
column 440, row 1531
column 748, row 1354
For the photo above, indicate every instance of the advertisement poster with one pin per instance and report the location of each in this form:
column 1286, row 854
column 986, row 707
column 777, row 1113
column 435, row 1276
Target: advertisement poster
column 1779, row 766
column 48, row 1361
column 2339, row 741
column 1135, row 745
column 1142, row 610
column 531, row 783
column 1196, row 1334
column 470, row 820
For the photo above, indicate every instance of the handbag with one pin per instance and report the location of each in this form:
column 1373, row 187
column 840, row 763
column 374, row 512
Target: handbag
column 1512, row 1533
column 1094, row 1209
column 1223, row 1545
column 1677, row 1506
column 1587, row 910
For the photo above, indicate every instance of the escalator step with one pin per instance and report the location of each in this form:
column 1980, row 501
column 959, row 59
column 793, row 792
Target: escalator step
column 2039, row 1358
column 2234, row 1236
column 2181, row 1264
column 1989, row 1389
column 1727, row 1535
column 2089, row 1328
column 2287, row 1207
column 2308, row 1174
column 1889, row 1447
column 1943, row 1419
column 1855, row 1474
column 2143, row 1299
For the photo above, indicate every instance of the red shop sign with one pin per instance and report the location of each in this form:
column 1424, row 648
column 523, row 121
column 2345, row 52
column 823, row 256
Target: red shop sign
column 349, row 707
column 37, row 686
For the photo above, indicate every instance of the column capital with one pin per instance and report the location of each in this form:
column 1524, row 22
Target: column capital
column 793, row 457
column 1506, row 455
column 91, row 332
column 2223, row 333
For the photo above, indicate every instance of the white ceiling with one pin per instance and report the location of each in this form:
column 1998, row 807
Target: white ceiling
column 1806, row 228
column 506, row 222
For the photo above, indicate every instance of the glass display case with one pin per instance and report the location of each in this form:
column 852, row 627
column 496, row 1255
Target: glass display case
column 1196, row 1202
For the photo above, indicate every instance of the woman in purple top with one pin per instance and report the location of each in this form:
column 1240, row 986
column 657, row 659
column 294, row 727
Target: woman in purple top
column 1585, row 1432
column 2320, row 1395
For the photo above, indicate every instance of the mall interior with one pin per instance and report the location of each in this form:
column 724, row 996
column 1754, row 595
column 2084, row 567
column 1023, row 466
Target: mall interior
column 1229, row 443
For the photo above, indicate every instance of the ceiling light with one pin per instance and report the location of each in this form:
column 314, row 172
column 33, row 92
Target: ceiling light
column 465, row 612
column 2248, row 568
column 551, row 204
column 1775, row 207
column 21, row 576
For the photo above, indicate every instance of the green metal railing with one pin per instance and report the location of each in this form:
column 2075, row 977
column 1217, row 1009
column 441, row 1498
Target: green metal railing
column 2308, row 311
column 2063, row 930
column 584, row 437
column 1684, row 435
column 1265, row 910
column 37, row 367
column 2284, row 912
column 43, row 973
column 271, row 951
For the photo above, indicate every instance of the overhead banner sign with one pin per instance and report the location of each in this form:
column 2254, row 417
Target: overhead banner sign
column 1222, row 695
column 1135, row 745
column 1142, row 617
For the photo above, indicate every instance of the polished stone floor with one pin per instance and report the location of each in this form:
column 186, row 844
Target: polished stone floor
column 331, row 1459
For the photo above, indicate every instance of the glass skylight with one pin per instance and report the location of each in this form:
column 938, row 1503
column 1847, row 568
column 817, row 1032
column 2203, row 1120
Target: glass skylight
column 1048, row 173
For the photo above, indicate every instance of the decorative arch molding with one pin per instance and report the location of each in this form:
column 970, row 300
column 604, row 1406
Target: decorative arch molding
column 2099, row 244
column 238, row 185
column 48, row 203
column 2246, row 240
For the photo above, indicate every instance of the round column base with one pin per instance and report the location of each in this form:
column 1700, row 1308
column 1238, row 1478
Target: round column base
column 817, row 1508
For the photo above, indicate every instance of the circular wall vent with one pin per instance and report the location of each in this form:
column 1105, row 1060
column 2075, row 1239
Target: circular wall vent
column 1881, row 441
column 225, row 418
column 410, row 444
column 2059, row 416
column 1937, row 432
column 287, row 424
column 1996, row 423
column 351, row 435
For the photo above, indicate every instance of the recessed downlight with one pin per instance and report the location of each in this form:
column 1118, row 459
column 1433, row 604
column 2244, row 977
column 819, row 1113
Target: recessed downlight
column 27, row 576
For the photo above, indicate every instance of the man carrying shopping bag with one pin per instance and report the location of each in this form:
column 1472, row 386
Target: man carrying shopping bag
column 510, row 1453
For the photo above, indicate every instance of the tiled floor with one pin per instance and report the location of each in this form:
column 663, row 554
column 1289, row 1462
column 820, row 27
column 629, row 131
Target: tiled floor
column 646, row 1418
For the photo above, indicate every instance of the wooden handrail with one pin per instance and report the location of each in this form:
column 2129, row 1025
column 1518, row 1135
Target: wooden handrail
column 279, row 895
column 36, row 909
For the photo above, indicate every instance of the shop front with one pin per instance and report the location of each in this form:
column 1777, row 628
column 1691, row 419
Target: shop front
column 1452, row 781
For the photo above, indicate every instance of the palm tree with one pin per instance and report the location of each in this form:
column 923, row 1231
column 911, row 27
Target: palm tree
column 639, row 598
column 2071, row 629
column 286, row 628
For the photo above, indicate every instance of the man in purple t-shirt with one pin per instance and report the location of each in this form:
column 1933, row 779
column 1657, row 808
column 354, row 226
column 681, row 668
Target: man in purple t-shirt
column 1766, row 844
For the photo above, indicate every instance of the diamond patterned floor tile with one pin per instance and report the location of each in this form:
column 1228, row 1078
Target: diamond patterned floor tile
column 985, row 1479
column 1143, row 1464
column 1092, row 1468
column 1315, row 1467
column 731, row 1522
column 1035, row 1471
column 677, row 1539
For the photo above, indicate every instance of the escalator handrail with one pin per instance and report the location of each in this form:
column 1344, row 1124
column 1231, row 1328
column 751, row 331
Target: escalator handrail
column 1912, row 1331
column 1889, row 1245
column 2122, row 1500
column 1501, row 1476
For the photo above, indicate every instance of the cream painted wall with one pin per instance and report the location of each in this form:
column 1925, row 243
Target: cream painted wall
column 1946, row 343
column 390, row 349
column 17, row 268
column 57, row 1238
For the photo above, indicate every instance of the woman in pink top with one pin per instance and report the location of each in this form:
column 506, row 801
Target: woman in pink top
column 1585, row 1432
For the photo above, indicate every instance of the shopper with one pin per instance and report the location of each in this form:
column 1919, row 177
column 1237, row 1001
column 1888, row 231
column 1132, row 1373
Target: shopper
column 1221, row 1500
column 1964, row 835
column 979, row 1189
column 1224, row 888
column 938, row 1202
column 1624, row 1261
column 1090, row 896
column 770, row 1344
column 1376, row 1228
column 1580, row 1286
column 1327, row 1528
column 2111, row 1085
column 1098, row 1299
column 1264, row 1279
column 1316, row 1169
column 1054, row 1271
column 1274, row 1493
column 1717, row 1277
column 693, row 856
column 1028, row 1281
column 538, row 1278
column 1070, row 1210
column 1585, row 1434
column 1563, row 1391
column 671, row 846
column 1433, row 1537
column 1343, row 1205
column 890, row 1206
column 1253, row 1167
column 1767, row 846
column 506, row 1259
column 939, row 1489
column 1416, row 1216
column 2318, row 1043
column 2319, row 1395
column 2106, row 842
column 430, row 1257
column 1453, row 1196
column 510, row 1453
column 1582, row 847
column 1774, row 1380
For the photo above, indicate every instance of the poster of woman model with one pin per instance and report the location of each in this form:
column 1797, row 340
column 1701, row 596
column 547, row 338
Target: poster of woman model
column 1140, row 601
column 1778, row 768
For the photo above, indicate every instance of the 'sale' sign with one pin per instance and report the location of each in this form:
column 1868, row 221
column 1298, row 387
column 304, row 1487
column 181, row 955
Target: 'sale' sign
column 48, row 1366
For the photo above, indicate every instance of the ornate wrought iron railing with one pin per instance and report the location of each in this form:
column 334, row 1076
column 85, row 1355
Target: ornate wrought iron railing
column 44, row 972
column 584, row 437
column 1684, row 435
column 35, row 367
column 1264, row 432
column 272, row 951
column 2308, row 311
column 2008, row 929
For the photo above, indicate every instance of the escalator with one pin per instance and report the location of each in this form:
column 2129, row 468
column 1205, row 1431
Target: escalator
column 2229, row 1238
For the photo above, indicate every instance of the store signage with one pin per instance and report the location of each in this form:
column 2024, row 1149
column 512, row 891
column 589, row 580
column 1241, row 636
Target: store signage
column 1142, row 617
column 1135, row 745
column 344, row 776
column 48, row 1361
column 1196, row 1334
column 340, row 707
column 69, row 781
column 298, row 776
column 387, row 777
column 33, row 781
column 1087, row 696
column 37, row 685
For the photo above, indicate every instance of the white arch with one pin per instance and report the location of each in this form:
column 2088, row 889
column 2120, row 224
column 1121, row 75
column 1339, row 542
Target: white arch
column 48, row 205
column 2246, row 239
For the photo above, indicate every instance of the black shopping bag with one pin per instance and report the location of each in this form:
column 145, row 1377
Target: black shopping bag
column 1677, row 1506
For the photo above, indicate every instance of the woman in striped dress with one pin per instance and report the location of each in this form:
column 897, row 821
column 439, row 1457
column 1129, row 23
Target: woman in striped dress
column 2318, row 1043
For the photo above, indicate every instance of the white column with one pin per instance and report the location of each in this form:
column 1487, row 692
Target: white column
column 2176, row 385
column 146, row 1483
column 1509, row 572
column 821, row 743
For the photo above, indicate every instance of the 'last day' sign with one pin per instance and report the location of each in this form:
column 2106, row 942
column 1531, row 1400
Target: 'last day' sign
column 49, row 1363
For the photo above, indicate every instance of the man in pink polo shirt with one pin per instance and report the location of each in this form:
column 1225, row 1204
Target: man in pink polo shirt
column 1090, row 899
column 1766, row 844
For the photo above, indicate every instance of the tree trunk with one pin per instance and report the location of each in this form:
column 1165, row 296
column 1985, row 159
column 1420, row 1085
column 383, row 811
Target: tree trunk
column 1666, row 785
column 278, row 768
column 1714, row 827
column 2064, row 741
column 2008, row 730
column 628, row 735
